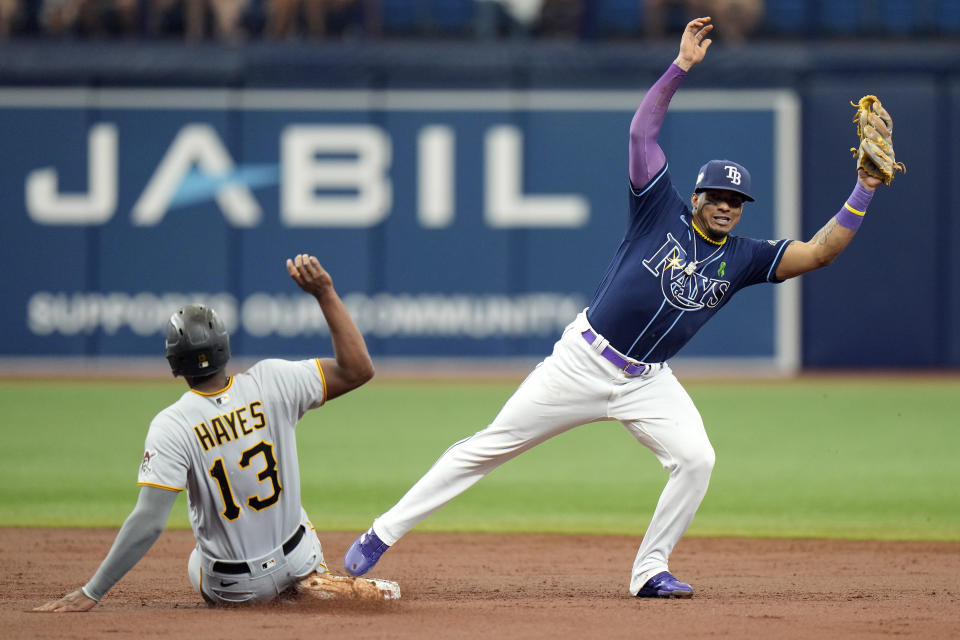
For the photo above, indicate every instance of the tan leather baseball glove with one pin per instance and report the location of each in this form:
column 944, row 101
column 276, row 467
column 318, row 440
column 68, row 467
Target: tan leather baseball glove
column 875, row 129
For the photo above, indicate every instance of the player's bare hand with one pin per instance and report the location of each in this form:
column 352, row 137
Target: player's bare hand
column 867, row 180
column 75, row 601
column 309, row 275
column 694, row 43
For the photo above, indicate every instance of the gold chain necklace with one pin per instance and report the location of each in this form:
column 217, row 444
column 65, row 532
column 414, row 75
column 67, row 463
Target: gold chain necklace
column 691, row 267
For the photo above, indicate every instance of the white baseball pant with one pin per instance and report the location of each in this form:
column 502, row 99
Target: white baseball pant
column 264, row 579
column 572, row 387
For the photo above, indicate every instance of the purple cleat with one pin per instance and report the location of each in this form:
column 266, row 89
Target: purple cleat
column 364, row 553
column 664, row 585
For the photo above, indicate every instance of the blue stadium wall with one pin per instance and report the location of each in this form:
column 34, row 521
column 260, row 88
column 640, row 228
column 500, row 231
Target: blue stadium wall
column 466, row 197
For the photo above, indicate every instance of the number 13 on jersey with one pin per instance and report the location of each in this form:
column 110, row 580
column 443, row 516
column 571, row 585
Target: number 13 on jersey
column 231, row 510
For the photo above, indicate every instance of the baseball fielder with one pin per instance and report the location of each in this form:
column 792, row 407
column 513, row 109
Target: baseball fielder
column 677, row 265
column 230, row 442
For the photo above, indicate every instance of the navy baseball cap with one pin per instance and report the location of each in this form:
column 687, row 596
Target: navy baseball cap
column 724, row 174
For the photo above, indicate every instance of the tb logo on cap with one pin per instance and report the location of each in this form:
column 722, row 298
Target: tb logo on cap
column 733, row 174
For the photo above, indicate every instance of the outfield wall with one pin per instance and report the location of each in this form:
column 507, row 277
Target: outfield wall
column 470, row 220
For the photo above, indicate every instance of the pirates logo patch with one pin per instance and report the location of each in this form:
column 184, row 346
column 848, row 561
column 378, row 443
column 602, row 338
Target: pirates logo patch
column 145, row 464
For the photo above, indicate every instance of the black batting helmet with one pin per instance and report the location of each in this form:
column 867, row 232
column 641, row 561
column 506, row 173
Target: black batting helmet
column 197, row 342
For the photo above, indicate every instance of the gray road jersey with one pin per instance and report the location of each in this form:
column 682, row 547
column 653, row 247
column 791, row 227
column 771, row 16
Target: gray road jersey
column 235, row 453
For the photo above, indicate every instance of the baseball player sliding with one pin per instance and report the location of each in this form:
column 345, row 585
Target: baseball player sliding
column 230, row 442
column 677, row 265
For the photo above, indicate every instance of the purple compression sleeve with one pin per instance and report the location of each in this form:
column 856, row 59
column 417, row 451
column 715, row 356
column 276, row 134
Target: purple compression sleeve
column 646, row 156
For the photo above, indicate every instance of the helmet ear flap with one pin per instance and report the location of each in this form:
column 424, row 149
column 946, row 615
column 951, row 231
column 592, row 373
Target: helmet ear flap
column 197, row 342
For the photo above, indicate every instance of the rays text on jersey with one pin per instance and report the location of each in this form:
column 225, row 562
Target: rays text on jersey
column 685, row 291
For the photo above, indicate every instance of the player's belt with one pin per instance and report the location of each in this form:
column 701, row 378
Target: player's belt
column 236, row 568
column 628, row 367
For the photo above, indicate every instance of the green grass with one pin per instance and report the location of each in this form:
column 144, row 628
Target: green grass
column 870, row 459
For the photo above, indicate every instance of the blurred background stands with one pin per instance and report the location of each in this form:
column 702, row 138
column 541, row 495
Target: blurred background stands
column 590, row 20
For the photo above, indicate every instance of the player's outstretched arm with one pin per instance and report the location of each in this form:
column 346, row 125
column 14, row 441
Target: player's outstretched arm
column 351, row 365
column 139, row 531
column 646, row 156
column 833, row 237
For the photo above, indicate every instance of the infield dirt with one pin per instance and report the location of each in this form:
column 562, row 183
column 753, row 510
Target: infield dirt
column 511, row 586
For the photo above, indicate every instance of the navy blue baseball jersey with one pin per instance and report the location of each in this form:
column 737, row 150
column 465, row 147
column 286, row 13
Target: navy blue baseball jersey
column 666, row 280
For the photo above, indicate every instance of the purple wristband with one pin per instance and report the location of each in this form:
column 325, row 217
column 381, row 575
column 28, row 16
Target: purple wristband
column 852, row 213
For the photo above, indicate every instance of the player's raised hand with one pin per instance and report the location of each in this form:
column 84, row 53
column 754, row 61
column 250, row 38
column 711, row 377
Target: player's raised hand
column 694, row 43
column 72, row 602
column 309, row 275
column 868, row 180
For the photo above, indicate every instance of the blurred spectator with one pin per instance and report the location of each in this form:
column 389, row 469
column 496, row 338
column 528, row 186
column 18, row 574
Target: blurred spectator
column 560, row 19
column 190, row 18
column 322, row 18
column 89, row 18
column 510, row 18
column 57, row 17
column 734, row 19
column 10, row 12
column 226, row 15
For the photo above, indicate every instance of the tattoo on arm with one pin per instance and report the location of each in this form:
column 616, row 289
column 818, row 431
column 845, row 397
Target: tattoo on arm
column 822, row 237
